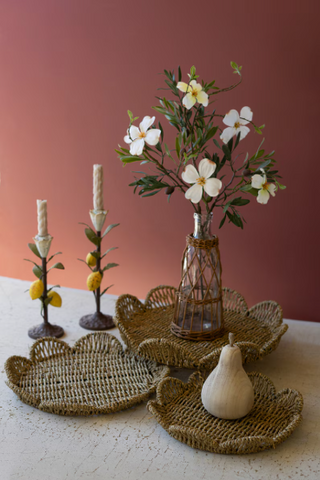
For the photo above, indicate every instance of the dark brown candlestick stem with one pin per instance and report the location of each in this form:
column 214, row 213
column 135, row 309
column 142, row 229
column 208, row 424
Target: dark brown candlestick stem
column 97, row 320
column 44, row 280
column 98, row 270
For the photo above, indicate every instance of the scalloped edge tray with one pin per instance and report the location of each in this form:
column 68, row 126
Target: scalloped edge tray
column 177, row 352
column 94, row 344
column 173, row 395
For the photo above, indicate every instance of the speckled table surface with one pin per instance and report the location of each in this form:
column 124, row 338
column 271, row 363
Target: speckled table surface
column 131, row 445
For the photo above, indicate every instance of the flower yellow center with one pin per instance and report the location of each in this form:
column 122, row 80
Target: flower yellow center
column 142, row 135
column 265, row 186
column 194, row 93
column 201, row 181
column 237, row 125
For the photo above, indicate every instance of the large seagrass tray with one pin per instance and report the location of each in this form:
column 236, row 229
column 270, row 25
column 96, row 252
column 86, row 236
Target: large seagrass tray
column 95, row 376
column 145, row 329
column 274, row 416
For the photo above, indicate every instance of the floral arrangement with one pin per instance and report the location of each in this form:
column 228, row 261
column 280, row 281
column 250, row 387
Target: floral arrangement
column 210, row 173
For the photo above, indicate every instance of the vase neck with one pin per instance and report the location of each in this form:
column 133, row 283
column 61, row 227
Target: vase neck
column 202, row 225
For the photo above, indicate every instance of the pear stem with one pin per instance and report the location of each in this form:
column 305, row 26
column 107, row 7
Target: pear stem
column 231, row 339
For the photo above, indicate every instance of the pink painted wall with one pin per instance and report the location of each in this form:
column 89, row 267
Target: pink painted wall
column 70, row 69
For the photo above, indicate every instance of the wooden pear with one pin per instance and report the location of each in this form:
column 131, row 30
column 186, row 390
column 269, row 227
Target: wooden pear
column 228, row 393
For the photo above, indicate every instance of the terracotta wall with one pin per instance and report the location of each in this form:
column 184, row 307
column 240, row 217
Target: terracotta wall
column 70, row 69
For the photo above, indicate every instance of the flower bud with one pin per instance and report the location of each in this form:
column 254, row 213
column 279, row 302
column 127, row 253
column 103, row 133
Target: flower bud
column 246, row 172
column 169, row 190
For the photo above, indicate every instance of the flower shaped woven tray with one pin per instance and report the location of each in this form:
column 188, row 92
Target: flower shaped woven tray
column 274, row 416
column 145, row 329
column 95, row 376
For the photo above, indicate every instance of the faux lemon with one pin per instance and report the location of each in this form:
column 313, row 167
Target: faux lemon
column 91, row 260
column 56, row 299
column 94, row 281
column 36, row 289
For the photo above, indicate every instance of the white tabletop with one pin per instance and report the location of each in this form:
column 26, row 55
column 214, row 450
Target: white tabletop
column 130, row 445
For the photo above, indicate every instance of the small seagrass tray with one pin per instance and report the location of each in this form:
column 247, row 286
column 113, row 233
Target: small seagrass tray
column 274, row 416
column 145, row 329
column 93, row 377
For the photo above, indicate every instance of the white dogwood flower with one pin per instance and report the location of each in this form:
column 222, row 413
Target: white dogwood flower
column 236, row 123
column 201, row 180
column 194, row 94
column 138, row 136
column 265, row 189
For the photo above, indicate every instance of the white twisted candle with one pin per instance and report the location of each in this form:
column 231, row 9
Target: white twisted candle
column 98, row 187
column 42, row 218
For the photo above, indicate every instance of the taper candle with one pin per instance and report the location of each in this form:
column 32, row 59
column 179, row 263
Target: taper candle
column 98, row 187
column 42, row 218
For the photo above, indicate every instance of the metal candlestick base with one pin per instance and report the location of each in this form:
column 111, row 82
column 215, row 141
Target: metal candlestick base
column 45, row 330
column 96, row 321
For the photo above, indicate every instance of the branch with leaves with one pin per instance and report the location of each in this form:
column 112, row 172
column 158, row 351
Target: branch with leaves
column 38, row 289
column 93, row 262
column 219, row 176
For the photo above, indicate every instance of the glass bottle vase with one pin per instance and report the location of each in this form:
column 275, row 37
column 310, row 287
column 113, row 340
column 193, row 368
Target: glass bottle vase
column 198, row 313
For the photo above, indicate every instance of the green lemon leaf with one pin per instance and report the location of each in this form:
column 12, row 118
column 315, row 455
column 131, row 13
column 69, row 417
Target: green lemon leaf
column 34, row 249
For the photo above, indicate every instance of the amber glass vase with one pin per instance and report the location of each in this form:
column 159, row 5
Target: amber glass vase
column 198, row 313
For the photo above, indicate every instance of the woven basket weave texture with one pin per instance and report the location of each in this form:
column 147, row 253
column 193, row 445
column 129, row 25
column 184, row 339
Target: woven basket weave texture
column 145, row 328
column 95, row 376
column 179, row 410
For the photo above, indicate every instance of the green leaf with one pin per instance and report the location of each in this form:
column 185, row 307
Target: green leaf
column 27, row 260
column 239, row 202
column 110, row 265
column 249, row 189
column 58, row 253
column 109, row 250
column 104, row 291
column 83, row 261
column 130, row 159
column 92, row 237
column 216, row 143
column 130, row 115
column 179, row 74
column 86, row 225
column 282, row 187
column 151, row 194
column 211, row 133
column 160, row 110
column 37, row 271
column 263, row 165
column 237, row 140
column 54, row 286
column 259, row 129
column 222, row 221
column 235, row 219
column 178, row 145
column 246, row 188
column 48, row 300
column 168, row 151
column 226, row 151
column 34, row 249
column 58, row 265
column 109, row 228
column 161, row 130
column 95, row 254
column 236, row 68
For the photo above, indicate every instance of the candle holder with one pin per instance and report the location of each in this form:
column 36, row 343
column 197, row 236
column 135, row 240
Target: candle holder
column 97, row 320
column 39, row 289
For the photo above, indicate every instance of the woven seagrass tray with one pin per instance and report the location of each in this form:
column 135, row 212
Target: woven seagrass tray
column 274, row 416
column 95, row 376
column 145, row 329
